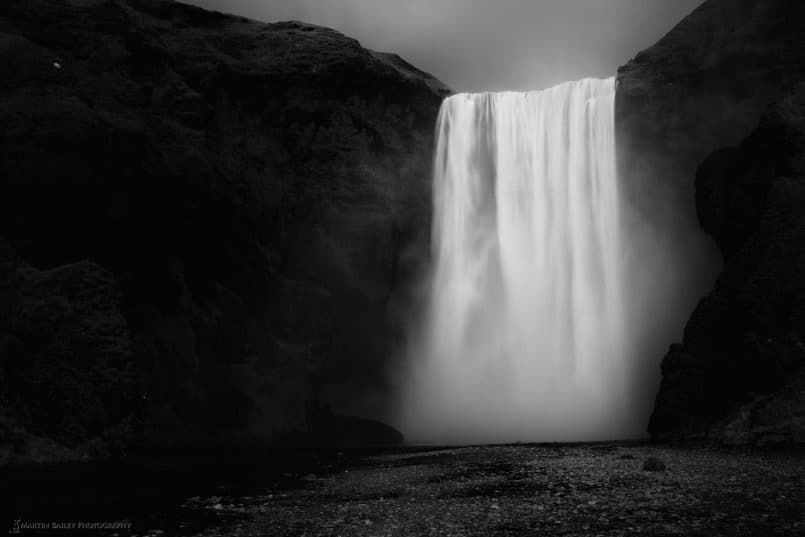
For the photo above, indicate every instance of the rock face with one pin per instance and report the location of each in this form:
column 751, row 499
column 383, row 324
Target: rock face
column 257, row 194
column 703, row 87
column 67, row 363
column 738, row 376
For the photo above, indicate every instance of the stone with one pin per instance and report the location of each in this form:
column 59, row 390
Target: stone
column 653, row 464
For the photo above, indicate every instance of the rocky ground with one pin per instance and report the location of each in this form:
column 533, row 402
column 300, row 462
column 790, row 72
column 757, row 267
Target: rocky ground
column 532, row 490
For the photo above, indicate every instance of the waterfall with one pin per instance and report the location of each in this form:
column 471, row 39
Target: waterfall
column 524, row 335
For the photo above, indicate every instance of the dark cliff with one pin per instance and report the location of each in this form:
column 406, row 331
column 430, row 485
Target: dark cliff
column 738, row 376
column 222, row 213
column 703, row 87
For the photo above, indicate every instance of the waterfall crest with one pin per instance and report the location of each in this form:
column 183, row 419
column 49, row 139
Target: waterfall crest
column 524, row 335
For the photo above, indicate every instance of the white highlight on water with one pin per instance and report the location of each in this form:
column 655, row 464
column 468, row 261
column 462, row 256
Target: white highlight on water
column 524, row 335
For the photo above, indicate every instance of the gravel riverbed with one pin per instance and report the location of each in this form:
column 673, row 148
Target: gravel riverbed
column 532, row 490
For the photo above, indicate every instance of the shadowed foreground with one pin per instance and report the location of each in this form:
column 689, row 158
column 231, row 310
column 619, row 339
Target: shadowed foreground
column 534, row 490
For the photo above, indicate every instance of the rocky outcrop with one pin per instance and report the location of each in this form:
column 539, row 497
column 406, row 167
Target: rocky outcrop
column 703, row 87
column 258, row 194
column 67, row 371
column 738, row 375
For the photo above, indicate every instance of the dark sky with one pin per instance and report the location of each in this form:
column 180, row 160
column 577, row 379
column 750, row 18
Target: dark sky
column 475, row 45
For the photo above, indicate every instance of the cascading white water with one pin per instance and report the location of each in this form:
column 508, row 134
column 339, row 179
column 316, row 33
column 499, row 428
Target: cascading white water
column 524, row 337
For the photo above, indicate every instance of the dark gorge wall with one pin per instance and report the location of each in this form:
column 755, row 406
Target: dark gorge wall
column 738, row 376
column 705, row 86
column 207, row 220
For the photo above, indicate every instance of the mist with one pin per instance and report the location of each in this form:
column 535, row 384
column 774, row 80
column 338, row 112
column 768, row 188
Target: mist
column 477, row 45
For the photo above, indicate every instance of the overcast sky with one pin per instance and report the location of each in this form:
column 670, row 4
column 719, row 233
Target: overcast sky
column 476, row 45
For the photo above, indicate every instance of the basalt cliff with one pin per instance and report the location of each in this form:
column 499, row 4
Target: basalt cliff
column 206, row 222
column 714, row 114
